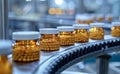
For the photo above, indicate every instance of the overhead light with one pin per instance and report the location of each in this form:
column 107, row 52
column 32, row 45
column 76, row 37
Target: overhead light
column 42, row 0
column 28, row 0
column 59, row 2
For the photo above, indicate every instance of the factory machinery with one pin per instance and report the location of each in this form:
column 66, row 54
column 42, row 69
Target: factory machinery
column 59, row 61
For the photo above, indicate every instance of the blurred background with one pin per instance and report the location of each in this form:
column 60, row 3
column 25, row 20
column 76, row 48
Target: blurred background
column 35, row 14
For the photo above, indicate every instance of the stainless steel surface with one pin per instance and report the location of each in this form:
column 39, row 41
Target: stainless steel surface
column 116, row 67
column 90, row 68
column 4, row 19
column 23, row 68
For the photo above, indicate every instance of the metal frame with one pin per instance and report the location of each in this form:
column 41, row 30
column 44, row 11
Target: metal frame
column 4, row 19
column 102, row 64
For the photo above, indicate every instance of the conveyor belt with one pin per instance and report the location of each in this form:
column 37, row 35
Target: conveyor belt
column 64, row 59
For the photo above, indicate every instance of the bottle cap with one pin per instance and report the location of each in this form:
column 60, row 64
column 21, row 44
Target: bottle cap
column 81, row 26
column 5, row 47
column 26, row 35
column 65, row 28
column 96, row 24
column 48, row 31
column 115, row 23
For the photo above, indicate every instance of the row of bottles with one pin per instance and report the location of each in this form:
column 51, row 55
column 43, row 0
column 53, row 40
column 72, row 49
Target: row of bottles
column 27, row 45
column 87, row 18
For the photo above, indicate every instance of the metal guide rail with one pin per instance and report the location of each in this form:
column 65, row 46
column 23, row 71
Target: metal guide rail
column 58, row 61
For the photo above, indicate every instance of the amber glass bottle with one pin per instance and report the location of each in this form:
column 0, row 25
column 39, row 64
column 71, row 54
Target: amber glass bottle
column 109, row 18
column 49, row 40
column 26, row 47
column 100, row 18
column 115, row 30
column 5, row 65
column 66, row 35
column 96, row 31
column 83, row 19
column 81, row 33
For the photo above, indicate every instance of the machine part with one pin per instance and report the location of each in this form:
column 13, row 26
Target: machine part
column 102, row 64
column 4, row 19
column 78, row 53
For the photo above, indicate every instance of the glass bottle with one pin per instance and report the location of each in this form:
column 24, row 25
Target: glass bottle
column 96, row 31
column 49, row 40
column 66, row 35
column 81, row 33
column 5, row 65
column 100, row 18
column 26, row 47
column 115, row 30
column 83, row 19
column 109, row 18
